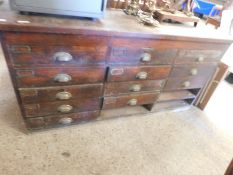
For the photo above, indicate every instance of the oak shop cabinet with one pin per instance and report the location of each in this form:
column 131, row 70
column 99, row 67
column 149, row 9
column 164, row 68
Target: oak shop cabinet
column 69, row 71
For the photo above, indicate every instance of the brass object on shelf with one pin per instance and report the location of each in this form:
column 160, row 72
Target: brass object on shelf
column 132, row 102
column 133, row 8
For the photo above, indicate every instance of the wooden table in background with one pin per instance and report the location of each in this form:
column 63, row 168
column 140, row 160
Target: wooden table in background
column 178, row 16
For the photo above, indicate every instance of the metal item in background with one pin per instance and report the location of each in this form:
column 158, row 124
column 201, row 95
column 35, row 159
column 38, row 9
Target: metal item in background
column 147, row 19
column 87, row 8
column 133, row 8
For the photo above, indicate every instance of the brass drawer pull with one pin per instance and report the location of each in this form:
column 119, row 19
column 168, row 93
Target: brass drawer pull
column 135, row 88
column 194, row 71
column 63, row 95
column 200, row 59
column 65, row 121
column 142, row 75
column 62, row 78
column 146, row 57
column 65, row 108
column 132, row 102
column 186, row 84
column 62, row 57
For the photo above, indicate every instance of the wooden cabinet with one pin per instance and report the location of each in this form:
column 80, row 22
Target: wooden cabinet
column 67, row 71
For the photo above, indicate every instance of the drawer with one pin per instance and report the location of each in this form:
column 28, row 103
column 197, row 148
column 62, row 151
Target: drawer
column 61, row 107
column 186, row 83
column 27, row 55
column 22, row 38
column 62, row 93
column 120, row 88
column 38, row 77
column 198, row 56
column 176, row 95
column 130, row 100
column 144, row 56
column 193, row 70
column 61, row 120
column 138, row 73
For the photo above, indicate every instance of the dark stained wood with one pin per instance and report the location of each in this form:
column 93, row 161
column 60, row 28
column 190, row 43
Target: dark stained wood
column 122, row 101
column 107, row 56
column 176, row 95
column 115, row 23
column 42, row 39
column 186, row 70
column 206, row 95
column 26, row 55
column 178, row 83
column 35, row 123
column 46, row 94
column 54, row 120
column 229, row 170
column 126, row 55
column 192, row 56
column 39, row 77
column 51, row 108
column 119, row 73
column 120, row 88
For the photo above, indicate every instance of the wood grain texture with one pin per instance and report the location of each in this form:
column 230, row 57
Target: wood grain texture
column 47, row 94
column 107, row 59
column 128, row 73
column 178, row 83
column 120, row 88
column 192, row 55
column 186, row 70
column 123, row 101
column 40, row 55
column 51, row 108
column 41, row 77
column 129, row 27
column 54, row 120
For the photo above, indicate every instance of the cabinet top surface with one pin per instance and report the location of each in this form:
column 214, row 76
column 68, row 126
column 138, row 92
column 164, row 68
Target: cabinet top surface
column 115, row 23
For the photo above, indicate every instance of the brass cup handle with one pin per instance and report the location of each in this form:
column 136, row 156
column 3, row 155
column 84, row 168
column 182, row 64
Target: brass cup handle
column 186, row 84
column 132, row 102
column 194, row 71
column 62, row 78
column 141, row 75
column 65, row 121
column 135, row 88
column 146, row 57
column 62, row 57
column 65, row 108
column 200, row 59
column 63, row 95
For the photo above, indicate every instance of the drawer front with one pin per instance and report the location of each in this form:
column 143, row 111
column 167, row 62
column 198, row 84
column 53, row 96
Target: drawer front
column 144, row 56
column 26, row 55
column 198, row 56
column 138, row 73
column 60, row 107
column 17, row 38
column 176, row 95
column 64, row 93
column 130, row 100
column 193, row 70
column 186, row 83
column 121, row 88
column 61, row 120
column 39, row 77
